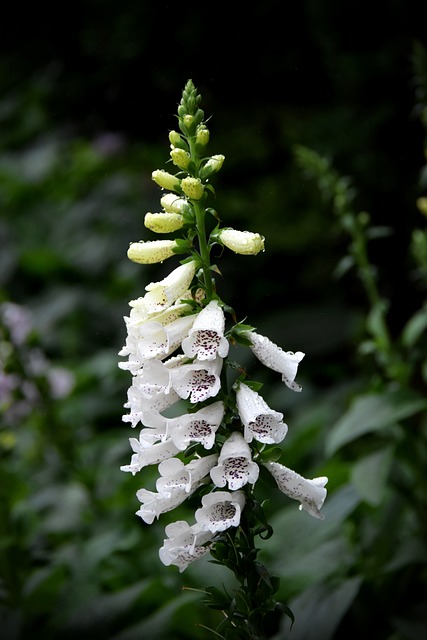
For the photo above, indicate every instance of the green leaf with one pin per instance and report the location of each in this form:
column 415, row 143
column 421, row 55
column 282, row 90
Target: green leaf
column 375, row 323
column 272, row 454
column 370, row 475
column 320, row 608
column 372, row 413
column 218, row 599
column 415, row 327
column 344, row 265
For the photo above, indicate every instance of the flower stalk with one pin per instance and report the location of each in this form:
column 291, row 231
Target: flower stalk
column 178, row 339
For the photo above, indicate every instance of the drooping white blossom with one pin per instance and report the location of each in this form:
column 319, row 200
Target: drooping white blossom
column 198, row 380
column 146, row 453
column 206, row 339
column 310, row 493
column 140, row 312
column 184, row 544
column 177, row 476
column 161, row 295
column 139, row 402
column 235, row 466
column 152, row 339
column 220, row 510
column 176, row 482
column 154, row 504
column 273, row 357
column 156, row 377
column 199, row 426
column 260, row 422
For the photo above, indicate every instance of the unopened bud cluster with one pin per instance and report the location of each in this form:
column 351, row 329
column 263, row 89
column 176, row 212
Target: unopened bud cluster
column 177, row 348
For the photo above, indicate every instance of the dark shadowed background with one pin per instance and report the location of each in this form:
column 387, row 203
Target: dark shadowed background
column 88, row 93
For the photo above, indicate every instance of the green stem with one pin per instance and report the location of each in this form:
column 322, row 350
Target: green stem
column 204, row 249
column 201, row 228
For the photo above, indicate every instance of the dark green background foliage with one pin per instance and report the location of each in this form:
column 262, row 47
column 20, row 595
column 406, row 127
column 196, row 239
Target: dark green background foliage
column 88, row 93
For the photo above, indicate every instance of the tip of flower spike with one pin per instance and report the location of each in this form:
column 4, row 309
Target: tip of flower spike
column 189, row 113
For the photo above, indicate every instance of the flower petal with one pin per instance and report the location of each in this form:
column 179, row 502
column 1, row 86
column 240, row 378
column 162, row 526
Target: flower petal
column 220, row 510
column 310, row 493
column 235, row 466
column 147, row 454
column 161, row 295
column 199, row 381
column 260, row 422
column 184, row 544
column 273, row 357
column 206, row 338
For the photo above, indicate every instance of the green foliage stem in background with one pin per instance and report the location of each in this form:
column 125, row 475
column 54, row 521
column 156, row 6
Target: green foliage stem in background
column 382, row 437
column 178, row 352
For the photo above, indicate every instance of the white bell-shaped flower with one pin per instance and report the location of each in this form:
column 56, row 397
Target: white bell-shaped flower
column 310, row 493
column 184, row 544
column 206, row 339
column 176, row 476
column 273, row 357
column 139, row 402
column 154, row 504
column 146, row 453
column 177, row 481
column 161, row 295
column 198, row 380
column 235, row 466
column 152, row 339
column 139, row 312
column 156, row 377
column 259, row 421
column 220, row 510
column 199, row 426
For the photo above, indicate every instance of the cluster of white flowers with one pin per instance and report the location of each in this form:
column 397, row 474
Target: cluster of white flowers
column 202, row 437
column 159, row 324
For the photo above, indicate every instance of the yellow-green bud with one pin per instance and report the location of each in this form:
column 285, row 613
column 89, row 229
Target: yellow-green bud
column 422, row 205
column 192, row 187
column 188, row 120
column 180, row 157
column 213, row 165
column 175, row 138
column 202, row 135
column 174, row 204
column 165, row 180
column 163, row 222
column 242, row 242
column 152, row 251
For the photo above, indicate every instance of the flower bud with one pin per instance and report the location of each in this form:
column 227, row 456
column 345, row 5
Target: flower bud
column 173, row 204
column 176, row 140
column 213, row 165
column 202, row 135
column 180, row 157
column 165, row 180
column 151, row 252
column 188, row 120
column 163, row 222
column 192, row 187
column 242, row 242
